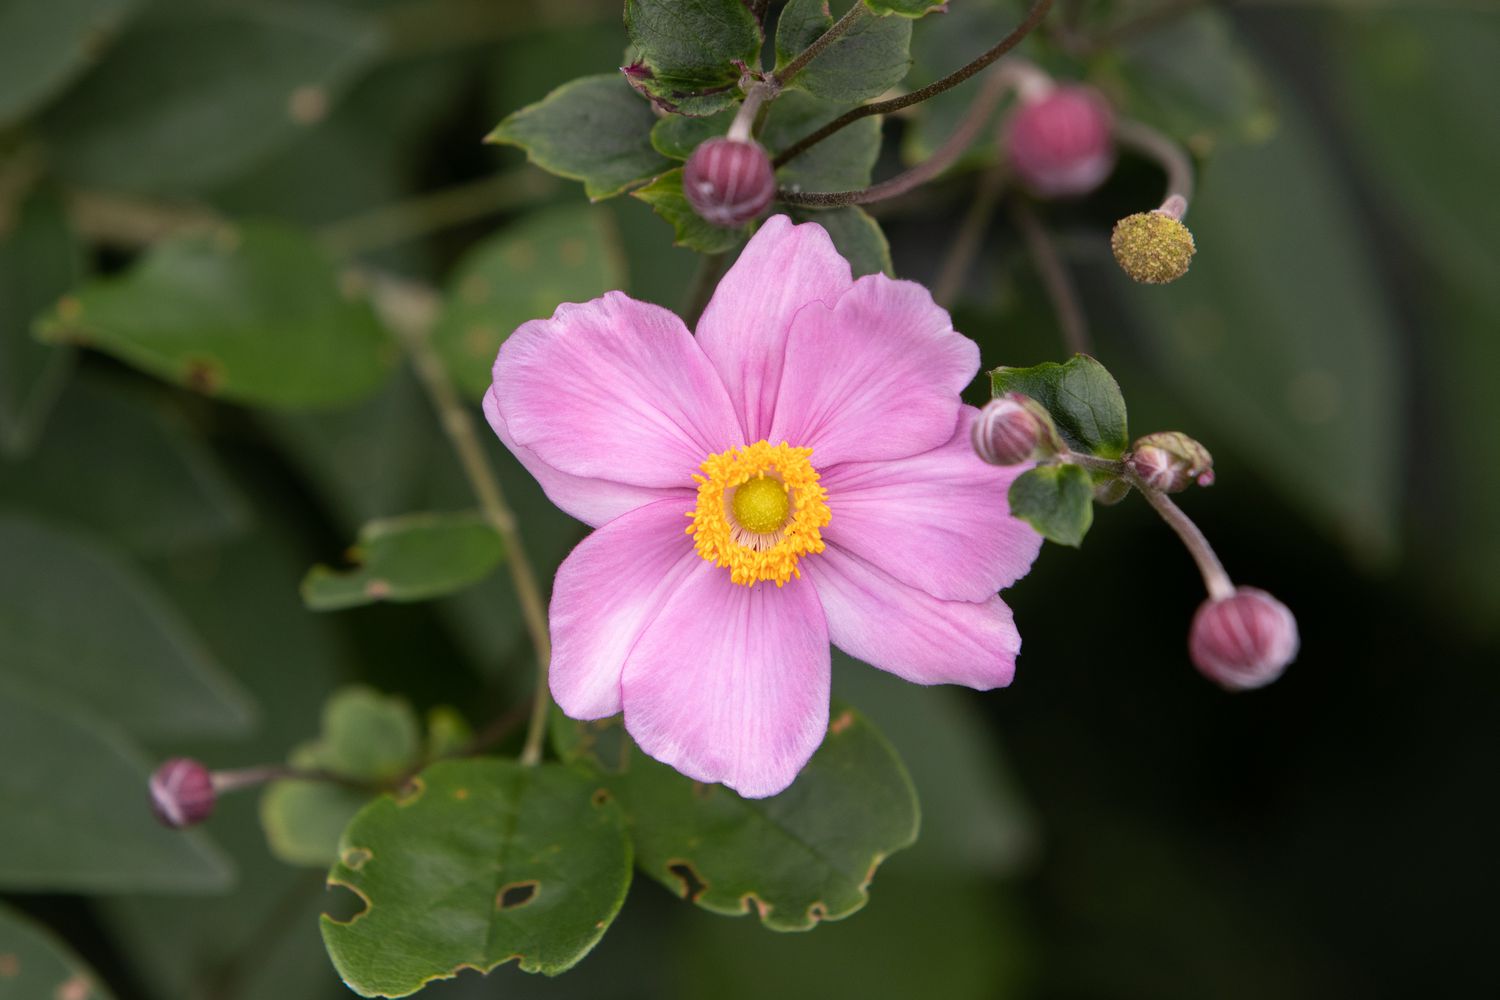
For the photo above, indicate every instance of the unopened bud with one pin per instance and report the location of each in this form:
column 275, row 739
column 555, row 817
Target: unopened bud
column 1153, row 247
column 1012, row 429
column 729, row 181
column 1171, row 462
column 1062, row 143
column 1244, row 640
column 182, row 793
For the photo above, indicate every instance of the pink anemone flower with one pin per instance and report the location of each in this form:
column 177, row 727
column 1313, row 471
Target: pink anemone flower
column 798, row 473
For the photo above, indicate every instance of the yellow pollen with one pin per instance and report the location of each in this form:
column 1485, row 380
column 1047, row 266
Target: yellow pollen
column 759, row 510
column 761, row 505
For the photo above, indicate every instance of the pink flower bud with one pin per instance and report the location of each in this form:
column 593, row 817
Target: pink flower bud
column 1011, row 429
column 1171, row 462
column 1243, row 641
column 182, row 793
column 729, row 182
column 1062, row 143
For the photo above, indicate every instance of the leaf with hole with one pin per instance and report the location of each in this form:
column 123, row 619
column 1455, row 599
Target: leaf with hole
column 564, row 254
column 691, row 53
column 805, row 855
column 870, row 57
column 594, row 129
column 1056, row 500
column 1083, row 398
column 35, row 963
column 77, row 814
column 412, row 558
column 39, row 260
column 480, row 862
column 80, row 625
column 253, row 313
column 666, row 198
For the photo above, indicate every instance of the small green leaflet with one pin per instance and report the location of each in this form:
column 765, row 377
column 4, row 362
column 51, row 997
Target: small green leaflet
column 1056, row 500
column 1083, row 398
column 411, row 558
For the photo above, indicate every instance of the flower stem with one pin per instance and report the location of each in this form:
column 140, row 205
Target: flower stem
column 965, row 245
column 1172, row 158
column 1033, row 17
column 411, row 318
column 852, row 17
column 974, row 121
column 1055, row 278
column 1214, row 577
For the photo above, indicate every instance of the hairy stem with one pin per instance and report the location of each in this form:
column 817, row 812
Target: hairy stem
column 1033, row 17
column 1214, row 577
column 1055, row 278
column 1172, row 158
column 855, row 14
column 411, row 312
column 974, row 121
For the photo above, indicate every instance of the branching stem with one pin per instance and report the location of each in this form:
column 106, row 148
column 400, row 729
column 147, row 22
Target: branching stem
column 853, row 16
column 1033, row 17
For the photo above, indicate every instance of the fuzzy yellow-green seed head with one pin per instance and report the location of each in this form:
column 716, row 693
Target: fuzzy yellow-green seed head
column 1152, row 247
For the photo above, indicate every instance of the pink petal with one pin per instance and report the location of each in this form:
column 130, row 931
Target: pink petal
column 939, row 521
column 875, row 377
column 730, row 683
column 908, row 632
column 606, row 592
column 614, row 389
column 592, row 501
column 743, row 330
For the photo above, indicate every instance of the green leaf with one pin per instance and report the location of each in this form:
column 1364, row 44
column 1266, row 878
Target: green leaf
column 857, row 237
column 192, row 93
column 79, row 625
column 665, row 197
column 564, row 254
column 1056, row 500
column 1083, row 398
column 691, row 49
column 1189, row 76
column 842, row 162
column 44, row 45
column 484, row 862
column 105, row 435
column 412, row 558
column 678, row 135
column 76, row 810
column 35, row 963
column 255, row 314
column 594, row 129
column 906, row 8
column 367, row 738
column 39, row 260
column 797, row 858
column 864, row 62
column 1412, row 82
column 1279, row 337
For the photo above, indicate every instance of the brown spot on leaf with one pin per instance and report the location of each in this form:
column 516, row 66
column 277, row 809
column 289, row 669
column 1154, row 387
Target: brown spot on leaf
column 843, row 721
column 475, row 289
column 600, row 796
column 693, row 885
column 203, row 375
column 482, row 341
column 354, row 858
column 460, row 793
column 817, row 912
column 410, row 792
column 516, row 894
column 69, row 309
column 378, row 589
column 573, row 252
column 702, row 791
column 10, row 966
column 521, row 255
column 307, row 105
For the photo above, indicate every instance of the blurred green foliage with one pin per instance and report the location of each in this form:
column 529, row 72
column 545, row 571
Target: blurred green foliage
column 195, row 190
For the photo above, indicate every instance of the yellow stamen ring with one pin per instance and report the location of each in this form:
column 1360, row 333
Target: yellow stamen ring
column 759, row 510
